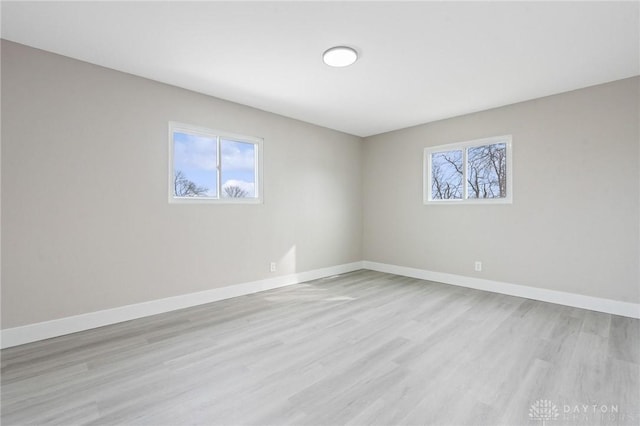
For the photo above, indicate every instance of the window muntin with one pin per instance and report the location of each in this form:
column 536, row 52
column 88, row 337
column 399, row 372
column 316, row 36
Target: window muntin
column 213, row 166
column 477, row 171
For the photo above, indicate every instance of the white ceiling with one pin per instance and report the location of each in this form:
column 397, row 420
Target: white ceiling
column 419, row 61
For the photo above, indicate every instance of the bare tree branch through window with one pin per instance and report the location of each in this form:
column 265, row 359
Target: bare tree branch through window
column 487, row 171
column 183, row 187
column 446, row 175
column 470, row 170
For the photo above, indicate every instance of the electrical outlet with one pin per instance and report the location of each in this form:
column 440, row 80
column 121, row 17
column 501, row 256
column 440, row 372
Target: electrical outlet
column 478, row 266
column 272, row 267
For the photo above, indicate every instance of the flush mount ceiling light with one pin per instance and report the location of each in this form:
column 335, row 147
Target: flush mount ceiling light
column 340, row 56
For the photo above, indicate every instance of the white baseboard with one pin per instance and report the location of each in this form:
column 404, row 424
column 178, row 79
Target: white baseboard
column 59, row 327
column 609, row 306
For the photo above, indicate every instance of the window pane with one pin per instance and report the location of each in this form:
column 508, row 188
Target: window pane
column 194, row 165
column 238, row 169
column 487, row 171
column 446, row 175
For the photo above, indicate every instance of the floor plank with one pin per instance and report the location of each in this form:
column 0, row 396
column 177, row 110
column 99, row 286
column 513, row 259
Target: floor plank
column 363, row 348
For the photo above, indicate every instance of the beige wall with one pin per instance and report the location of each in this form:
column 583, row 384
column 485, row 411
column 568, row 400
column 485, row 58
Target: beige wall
column 574, row 222
column 85, row 220
column 86, row 224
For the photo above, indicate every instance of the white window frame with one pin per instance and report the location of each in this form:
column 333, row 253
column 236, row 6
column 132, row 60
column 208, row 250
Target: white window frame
column 464, row 146
column 217, row 135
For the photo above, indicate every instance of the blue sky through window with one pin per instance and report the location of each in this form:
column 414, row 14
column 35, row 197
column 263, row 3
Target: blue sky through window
column 196, row 157
column 486, row 171
column 446, row 171
column 238, row 165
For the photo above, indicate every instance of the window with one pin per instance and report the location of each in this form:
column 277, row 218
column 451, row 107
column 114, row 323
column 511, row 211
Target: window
column 477, row 171
column 211, row 166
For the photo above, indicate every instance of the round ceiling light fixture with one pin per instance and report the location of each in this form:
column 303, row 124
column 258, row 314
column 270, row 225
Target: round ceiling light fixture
column 340, row 56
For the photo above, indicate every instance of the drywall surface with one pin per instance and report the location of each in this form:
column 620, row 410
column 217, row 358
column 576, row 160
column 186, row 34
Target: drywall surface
column 573, row 224
column 86, row 224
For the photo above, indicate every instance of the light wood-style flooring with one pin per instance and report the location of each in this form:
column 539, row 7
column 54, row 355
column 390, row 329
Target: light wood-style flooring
column 363, row 348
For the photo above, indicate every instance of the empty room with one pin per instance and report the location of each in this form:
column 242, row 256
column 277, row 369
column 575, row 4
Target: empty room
column 320, row 213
